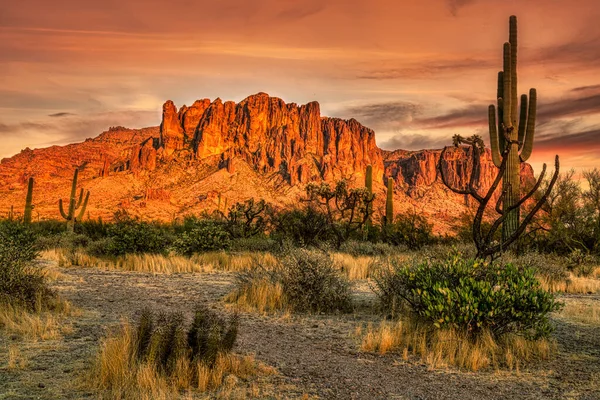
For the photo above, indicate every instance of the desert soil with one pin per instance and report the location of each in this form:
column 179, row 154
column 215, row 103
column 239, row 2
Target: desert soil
column 315, row 355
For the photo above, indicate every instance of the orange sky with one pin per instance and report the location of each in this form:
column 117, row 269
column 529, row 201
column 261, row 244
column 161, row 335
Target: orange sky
column 416, row 71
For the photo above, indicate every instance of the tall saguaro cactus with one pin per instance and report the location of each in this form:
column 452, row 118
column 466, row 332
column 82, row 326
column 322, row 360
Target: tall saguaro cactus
column 74, row 205
column 507, row 133
column 28, row 203
column 389, row 202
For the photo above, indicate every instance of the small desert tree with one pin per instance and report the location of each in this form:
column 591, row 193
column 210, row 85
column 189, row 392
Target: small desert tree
column 347, row 210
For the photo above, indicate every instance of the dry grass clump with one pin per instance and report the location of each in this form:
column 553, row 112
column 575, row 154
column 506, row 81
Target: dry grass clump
column 355, row 268
column 15, row 359
column 154, row 263
column 440, row 348
column 586, row 313
column 41, row 324
column 153, row 362
column 573, row 284
column 235, row 262
column 260, row 295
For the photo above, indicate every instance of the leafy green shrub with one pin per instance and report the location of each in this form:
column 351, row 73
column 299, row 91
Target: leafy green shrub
column 311, row 282
column 411, row 230
column 469, row 295
column 163, row 339
column 21, row 284
column 93, row 229
column 202, row 236
column 130, row 236
column 303, row 227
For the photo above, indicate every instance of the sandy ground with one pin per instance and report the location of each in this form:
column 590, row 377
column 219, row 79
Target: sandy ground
column 316, row 355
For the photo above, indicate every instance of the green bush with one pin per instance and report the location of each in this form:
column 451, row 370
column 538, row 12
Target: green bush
column 131, row 236
column 258, row 244
column 202, row 236
column 21, row 284
column 469, row 295
column 411, row 230
column 303, row 227
column 311, row 283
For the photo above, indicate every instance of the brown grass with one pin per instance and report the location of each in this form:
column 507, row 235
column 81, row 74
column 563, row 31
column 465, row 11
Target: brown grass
column 117, row 373
column 355, row 268
column 159, row 264
column 573, row 285
column 15, row 359
column 586, row 313
column 442, row 348
column 39, row 325
column 262, row 296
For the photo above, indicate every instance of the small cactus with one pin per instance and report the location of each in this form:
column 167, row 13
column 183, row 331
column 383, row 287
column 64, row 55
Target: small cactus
column 11, row 213
column 389, row 202
column 74, row 205
column 28, row 203
column 369, row 186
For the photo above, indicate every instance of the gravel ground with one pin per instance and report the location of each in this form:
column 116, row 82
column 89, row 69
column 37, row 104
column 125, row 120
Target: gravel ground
column 316, row 355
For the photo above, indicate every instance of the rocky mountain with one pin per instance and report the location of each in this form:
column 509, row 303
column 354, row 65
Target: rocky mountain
column 213, row 154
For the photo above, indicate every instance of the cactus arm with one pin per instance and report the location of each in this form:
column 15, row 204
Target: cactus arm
column 74, row 184
column 389, row 203
column 530, row 133
column 496, row 157
column 507, row 97
column 78, row 203
column 62, row 210
column 499, row 96
column 83, row 207
column 522, row 120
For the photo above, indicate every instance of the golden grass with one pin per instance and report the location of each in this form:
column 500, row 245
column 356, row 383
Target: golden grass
column 355, row 268
column 585, row 313
column 118, row 374
column 262, row 296
column 15, row 359
column 573, row 285
column 442, row 348
column 39, row 325
column 160, row 264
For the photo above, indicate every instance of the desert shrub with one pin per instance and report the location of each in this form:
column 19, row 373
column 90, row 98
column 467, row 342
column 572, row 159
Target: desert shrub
column 93, row 229
column 411, row 230
column 547, row 266
column 258, row 243
column 21, row 284
column 360, row 248
column 129, row 236
column 247, row 219
column 202, row 236
column 305, row 281
column 303, row 227
column 210, row 335
column 469, row 295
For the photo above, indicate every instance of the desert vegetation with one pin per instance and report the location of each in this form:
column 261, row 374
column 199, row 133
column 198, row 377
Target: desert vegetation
column 502, row 296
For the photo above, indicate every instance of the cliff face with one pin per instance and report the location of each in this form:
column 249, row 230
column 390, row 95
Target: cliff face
column 273, row 137
column 215, row 153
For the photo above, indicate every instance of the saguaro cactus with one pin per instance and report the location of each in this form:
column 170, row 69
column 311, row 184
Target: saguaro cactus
column 389, row 202
column 28, row 203
column 505, row 132
column 11, row 213
column 74, row 205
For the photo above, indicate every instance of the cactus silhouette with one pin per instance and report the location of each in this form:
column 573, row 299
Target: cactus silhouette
column 11, row 213
column 28, row 203
column 74, row 205
column 505, row 131
column 389, row 202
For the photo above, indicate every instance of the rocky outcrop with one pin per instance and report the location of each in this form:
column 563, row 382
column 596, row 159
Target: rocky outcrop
column 415, row 171
column 171, row 131
column 275, row 137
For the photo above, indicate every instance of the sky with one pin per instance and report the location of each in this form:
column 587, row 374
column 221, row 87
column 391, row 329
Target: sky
column 415, row 71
